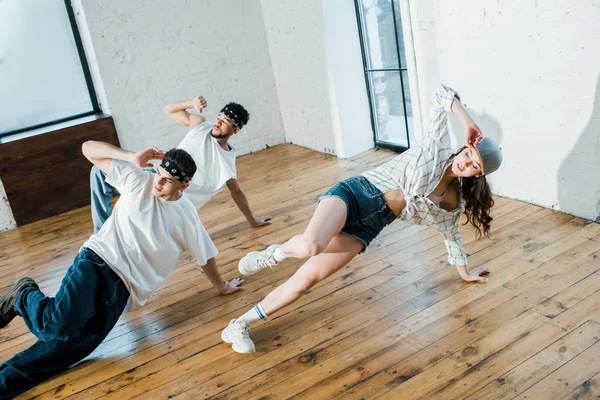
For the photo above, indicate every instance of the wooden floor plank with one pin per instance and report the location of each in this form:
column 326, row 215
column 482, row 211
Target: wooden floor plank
column 472, row 319
column 521, row 303
column 573, row 374
column 521, row 378
column 588, row 390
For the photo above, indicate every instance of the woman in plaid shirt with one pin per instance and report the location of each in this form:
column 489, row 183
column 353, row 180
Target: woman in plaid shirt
column 429, row 184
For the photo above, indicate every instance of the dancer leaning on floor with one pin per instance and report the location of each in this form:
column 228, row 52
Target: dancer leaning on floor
column 428, row 184
column 124, row 263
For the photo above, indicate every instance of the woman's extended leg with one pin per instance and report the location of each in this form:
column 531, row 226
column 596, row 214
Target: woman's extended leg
column 339, row 252
column 326, row 222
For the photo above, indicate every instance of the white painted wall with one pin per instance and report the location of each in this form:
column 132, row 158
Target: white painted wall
column 348, row 99
column 529, row 71
column 295, row 34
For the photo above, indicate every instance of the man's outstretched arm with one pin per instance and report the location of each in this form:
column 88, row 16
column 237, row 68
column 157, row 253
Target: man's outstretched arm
column 242, row 202
column 223, row 287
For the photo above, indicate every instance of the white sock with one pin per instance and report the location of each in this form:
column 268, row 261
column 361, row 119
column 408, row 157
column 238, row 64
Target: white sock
column 256, row 313
column 278, row 254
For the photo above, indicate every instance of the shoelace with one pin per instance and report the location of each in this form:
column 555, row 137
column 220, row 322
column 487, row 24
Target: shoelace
column 245, row 330
column 265, row 262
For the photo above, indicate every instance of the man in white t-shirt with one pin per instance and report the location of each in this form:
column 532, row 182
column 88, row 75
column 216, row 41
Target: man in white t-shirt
column 208, row 145
column 122, row 265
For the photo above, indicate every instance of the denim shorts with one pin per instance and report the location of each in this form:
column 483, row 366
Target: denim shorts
column 368, row 213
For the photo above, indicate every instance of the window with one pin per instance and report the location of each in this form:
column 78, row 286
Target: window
column 44, row 78
column 386, row 74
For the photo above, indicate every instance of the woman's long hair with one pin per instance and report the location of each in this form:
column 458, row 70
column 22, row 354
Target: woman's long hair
column 478, row 201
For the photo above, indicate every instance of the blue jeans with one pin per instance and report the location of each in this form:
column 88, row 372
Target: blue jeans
column 368, row 213
column 102, row 194
column 69, row 326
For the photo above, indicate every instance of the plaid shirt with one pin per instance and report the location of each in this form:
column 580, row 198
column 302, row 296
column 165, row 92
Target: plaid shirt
column 417, row 172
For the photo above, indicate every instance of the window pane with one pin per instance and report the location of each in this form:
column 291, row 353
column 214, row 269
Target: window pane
column 400, row 35
column 388, row 103
column 378, row 29
column 41, row 78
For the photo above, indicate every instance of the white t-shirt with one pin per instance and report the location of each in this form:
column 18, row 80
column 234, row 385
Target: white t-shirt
column 145, row 235
column 215, row 166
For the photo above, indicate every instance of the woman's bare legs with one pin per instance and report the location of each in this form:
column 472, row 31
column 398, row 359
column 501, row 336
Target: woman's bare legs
column 339, row 252
column 326, row 222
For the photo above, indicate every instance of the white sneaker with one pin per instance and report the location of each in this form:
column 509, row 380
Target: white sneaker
column 254, row 261
column 238, row 334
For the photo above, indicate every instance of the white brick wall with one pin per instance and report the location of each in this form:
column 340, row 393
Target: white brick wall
column 150, row 53
column 529, row 71
column 7, row 221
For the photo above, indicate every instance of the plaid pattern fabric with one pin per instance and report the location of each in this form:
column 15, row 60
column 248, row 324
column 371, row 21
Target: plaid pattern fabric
column 417, row 172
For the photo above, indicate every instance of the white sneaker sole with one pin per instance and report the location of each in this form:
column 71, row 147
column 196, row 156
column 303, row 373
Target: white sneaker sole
column 243, row 271
column 226, row 339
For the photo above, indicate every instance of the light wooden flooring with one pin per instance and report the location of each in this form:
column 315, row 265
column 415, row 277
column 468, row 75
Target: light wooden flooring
column 396, row 323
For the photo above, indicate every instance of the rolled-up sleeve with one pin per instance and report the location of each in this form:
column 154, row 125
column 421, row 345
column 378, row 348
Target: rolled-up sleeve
column 441, row 105
column 453, row 242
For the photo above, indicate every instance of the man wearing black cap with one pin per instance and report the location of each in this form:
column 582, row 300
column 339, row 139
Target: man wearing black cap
column 208, row 146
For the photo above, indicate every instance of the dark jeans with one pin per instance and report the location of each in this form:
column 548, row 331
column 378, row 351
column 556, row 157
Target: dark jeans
column 102, row 194
column 69, row 326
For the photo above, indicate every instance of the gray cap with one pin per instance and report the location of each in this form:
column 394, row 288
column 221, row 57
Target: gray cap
column 490, row 154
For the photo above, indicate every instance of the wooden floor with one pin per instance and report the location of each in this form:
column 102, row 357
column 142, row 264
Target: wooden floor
column 396, row 323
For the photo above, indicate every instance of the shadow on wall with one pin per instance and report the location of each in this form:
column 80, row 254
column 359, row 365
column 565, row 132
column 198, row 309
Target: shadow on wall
column 579, row 173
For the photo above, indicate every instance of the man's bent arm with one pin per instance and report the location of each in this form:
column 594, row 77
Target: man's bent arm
column 177, row 112
column 101, row 155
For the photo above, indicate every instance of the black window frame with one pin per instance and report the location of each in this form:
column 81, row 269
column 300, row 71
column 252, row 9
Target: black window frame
column 367, row 70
